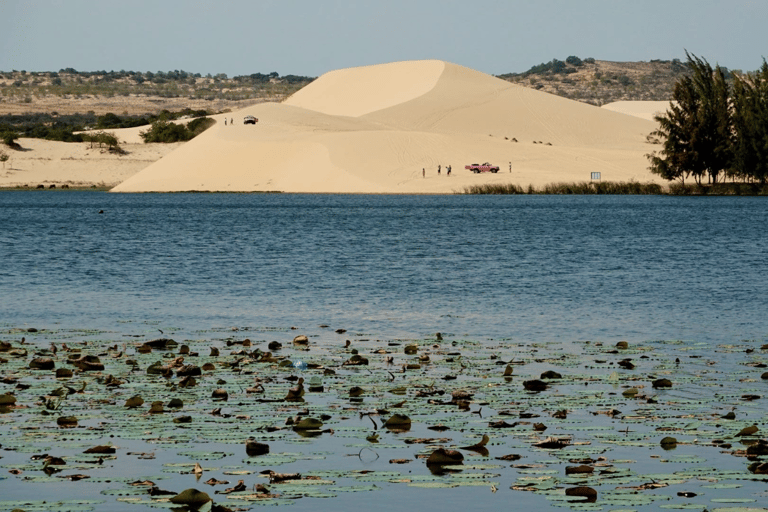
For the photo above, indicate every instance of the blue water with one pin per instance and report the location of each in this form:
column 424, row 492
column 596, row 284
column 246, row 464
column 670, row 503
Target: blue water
column 531, row 269
column 536, row 268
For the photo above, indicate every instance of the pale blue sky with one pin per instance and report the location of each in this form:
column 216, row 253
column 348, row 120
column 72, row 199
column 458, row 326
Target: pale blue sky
column 306, row 37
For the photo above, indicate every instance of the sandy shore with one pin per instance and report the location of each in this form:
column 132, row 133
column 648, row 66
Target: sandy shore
column 43, row 162
column 369, row 130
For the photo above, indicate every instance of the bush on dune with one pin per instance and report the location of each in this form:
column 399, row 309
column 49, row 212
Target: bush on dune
column 164, row 131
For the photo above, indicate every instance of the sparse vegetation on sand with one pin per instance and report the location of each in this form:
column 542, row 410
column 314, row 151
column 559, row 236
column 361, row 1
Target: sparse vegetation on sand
column 102, row 139
column 65, row 128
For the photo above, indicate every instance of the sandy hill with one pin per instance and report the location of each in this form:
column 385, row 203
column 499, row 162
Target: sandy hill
column 373, row 129
column 643, row 109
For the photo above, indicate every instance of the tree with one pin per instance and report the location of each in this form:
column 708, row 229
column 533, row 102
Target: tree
column 103, row 138
column 696, row 131
column 677, row 158
column 574, row 60
column 750, row 124
column 9, row 138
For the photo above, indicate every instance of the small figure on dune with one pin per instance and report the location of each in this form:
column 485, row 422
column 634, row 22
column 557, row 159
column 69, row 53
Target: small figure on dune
column 225, row 121
column 438, row 170
column 423, row 172
column 448, row 172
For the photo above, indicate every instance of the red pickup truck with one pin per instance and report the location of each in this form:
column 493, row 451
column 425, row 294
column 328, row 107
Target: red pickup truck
column 486, row 167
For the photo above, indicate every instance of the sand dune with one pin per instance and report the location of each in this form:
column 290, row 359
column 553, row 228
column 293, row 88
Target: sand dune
column 338, row 93
column 373, row 129
column 642, row 109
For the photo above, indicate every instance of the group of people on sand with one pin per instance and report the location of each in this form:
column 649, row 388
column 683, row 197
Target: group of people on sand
column 231, row 121
column 439, row 168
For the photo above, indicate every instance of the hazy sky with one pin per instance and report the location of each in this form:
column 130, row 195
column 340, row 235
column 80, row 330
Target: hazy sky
column 310, row 37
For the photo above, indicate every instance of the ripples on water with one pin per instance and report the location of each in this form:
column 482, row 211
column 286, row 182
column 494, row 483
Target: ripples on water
column 533, row 267
column 540, row 271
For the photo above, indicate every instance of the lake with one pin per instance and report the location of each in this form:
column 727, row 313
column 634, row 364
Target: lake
column 553, row 282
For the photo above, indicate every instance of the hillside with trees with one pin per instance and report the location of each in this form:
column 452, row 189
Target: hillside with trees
column 599, row 82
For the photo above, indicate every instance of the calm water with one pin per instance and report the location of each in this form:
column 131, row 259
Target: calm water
column 544, row 271
column 538, row 268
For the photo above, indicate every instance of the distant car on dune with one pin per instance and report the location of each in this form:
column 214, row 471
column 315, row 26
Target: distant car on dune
column 250, row 120
column 486, row 167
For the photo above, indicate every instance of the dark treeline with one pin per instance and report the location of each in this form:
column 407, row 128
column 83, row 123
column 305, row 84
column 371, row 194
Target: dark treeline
column 63, row 127
column 715, row 129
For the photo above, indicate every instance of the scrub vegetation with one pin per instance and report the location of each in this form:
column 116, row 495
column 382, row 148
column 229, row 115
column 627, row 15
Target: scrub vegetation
column 599, row 82
column 52, row 126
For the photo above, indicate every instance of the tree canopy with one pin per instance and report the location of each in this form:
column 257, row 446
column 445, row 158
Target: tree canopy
column 750, row 125
column 712, row 130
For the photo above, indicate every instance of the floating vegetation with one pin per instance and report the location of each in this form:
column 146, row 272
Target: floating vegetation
column 664, row 424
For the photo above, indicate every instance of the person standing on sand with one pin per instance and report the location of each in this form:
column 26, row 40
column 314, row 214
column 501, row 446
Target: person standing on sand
column 225, row 121
column 438, row 170
column 423, row 172
column 448, row 172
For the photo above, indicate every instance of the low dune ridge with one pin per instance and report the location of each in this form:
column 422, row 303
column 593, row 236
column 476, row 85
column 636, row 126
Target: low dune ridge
column 373, row 129
column 642, row 109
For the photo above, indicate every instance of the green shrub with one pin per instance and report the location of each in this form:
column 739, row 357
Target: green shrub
column 199, row 125
column 9, row 138
column 574, row 60
column 164, row 131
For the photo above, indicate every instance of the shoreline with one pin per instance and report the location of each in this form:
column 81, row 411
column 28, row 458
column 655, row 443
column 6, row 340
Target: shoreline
column 574, row 188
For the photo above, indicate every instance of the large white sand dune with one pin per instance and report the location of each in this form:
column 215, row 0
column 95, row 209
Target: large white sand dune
column 373, row 129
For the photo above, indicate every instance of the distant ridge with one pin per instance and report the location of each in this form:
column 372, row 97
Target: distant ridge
column 599, row 82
